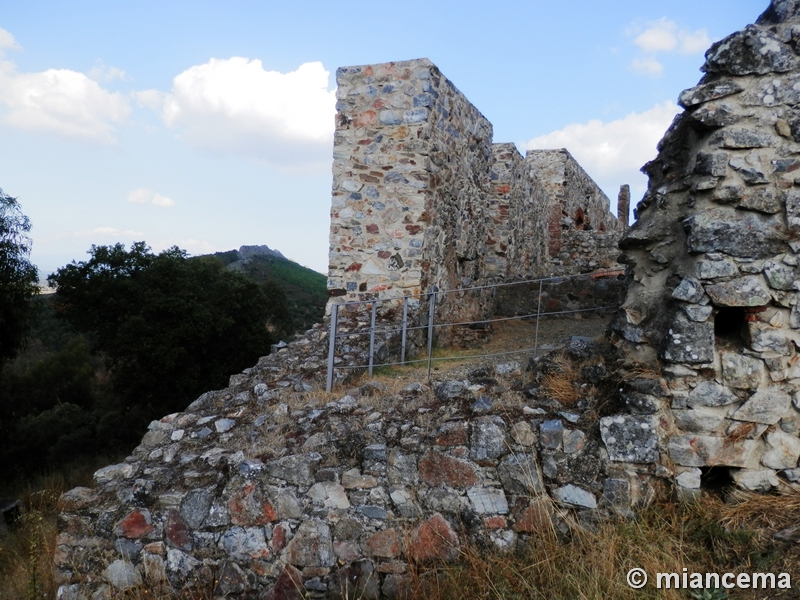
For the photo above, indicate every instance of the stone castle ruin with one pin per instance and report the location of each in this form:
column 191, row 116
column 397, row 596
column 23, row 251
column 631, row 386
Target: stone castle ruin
column 423, row 199
column 270, row 489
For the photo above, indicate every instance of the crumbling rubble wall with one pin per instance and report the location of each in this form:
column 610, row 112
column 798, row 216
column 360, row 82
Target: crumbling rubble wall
column 270, row 489
column 712, row 301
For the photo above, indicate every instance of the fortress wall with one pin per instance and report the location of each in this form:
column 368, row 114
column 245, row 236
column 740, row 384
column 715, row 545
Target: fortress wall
column 422, row 199
column 460, row 160
column 380, row 180
column 582, row 232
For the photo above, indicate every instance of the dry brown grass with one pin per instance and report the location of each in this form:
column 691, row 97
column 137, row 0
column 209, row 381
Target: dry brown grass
column 751, row 510
column 26, row 554
column 560, row 385
column 592, row 563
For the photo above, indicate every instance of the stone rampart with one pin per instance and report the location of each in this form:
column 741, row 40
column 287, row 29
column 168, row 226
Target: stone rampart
column 422, row 199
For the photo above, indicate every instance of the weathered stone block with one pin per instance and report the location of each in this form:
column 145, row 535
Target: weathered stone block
column 520, row 474
column 765, row 406
column 753, row 50
column 689, row 290
column 765, row 338
column 784, row 451
column 551, row 434
column 714, row 266
column 488, row 438
column 575, row 496
column 780, row 275
column 757, row 480
column 437, row 469
column 434, row 540
column 707, row 92
column 244, row 543
column 311, row 546
column 488, row 500
column 762, row 199
column 700, row 420
column 689, row 342
column 709, row 451
column 742, row 371
column 630, row 438
column 709, row 393
column 737, row 233
column 122, row 575
column 743, row 291
column 385, row 544
column 535, row 517
column 297, row 469
column 712, row 163
column 136, row 524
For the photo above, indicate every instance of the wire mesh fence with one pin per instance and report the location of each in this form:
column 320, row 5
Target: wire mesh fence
column 424, row 307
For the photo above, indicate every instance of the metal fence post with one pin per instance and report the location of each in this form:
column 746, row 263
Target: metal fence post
column 332, row 346
column 372, row 336
column 538, row 313
column 431, row 313
column 405, row 328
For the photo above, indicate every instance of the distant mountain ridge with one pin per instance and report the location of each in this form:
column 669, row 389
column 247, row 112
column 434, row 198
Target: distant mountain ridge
column 247, row 253
column 305, row 289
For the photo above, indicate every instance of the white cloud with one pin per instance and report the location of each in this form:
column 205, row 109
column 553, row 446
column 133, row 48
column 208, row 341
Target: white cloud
column 647, row 66
column 612, row 152
column 60, row 101
column 664, row 36
column 145, row 196
column 237, row 106
column 694, row 42
column 660, row 36
column 101, row 72
column 152, row 99
column 7, row 41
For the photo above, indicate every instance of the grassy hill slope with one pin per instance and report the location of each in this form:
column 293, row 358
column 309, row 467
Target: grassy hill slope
column 305, row 289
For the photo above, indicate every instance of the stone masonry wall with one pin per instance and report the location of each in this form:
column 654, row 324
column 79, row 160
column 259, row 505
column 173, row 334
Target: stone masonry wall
column 515, row 244
column 577, row 213
column 422, row 199
column 713, row 300
column 271, row 490
column 411, row 159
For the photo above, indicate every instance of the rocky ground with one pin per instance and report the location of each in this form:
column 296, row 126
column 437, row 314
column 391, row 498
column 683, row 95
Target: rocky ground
column 273, row 483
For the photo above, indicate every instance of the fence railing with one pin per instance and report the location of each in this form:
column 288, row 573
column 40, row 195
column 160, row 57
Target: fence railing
column 431, row 298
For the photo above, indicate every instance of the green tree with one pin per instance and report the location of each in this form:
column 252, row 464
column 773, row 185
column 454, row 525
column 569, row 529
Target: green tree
column 170, row 327
column 18, row 277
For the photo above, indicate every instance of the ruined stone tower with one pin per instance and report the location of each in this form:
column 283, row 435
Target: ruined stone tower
column 713, row 295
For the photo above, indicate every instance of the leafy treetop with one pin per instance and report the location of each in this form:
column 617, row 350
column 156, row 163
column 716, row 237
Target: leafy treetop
column 18, row 277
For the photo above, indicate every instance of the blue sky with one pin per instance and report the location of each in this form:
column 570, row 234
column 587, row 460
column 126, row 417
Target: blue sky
column 208, row 125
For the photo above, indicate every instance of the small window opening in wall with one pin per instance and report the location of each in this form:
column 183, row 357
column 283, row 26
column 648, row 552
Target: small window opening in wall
column 580, row 219
column 715, row 479
column 728, row 323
